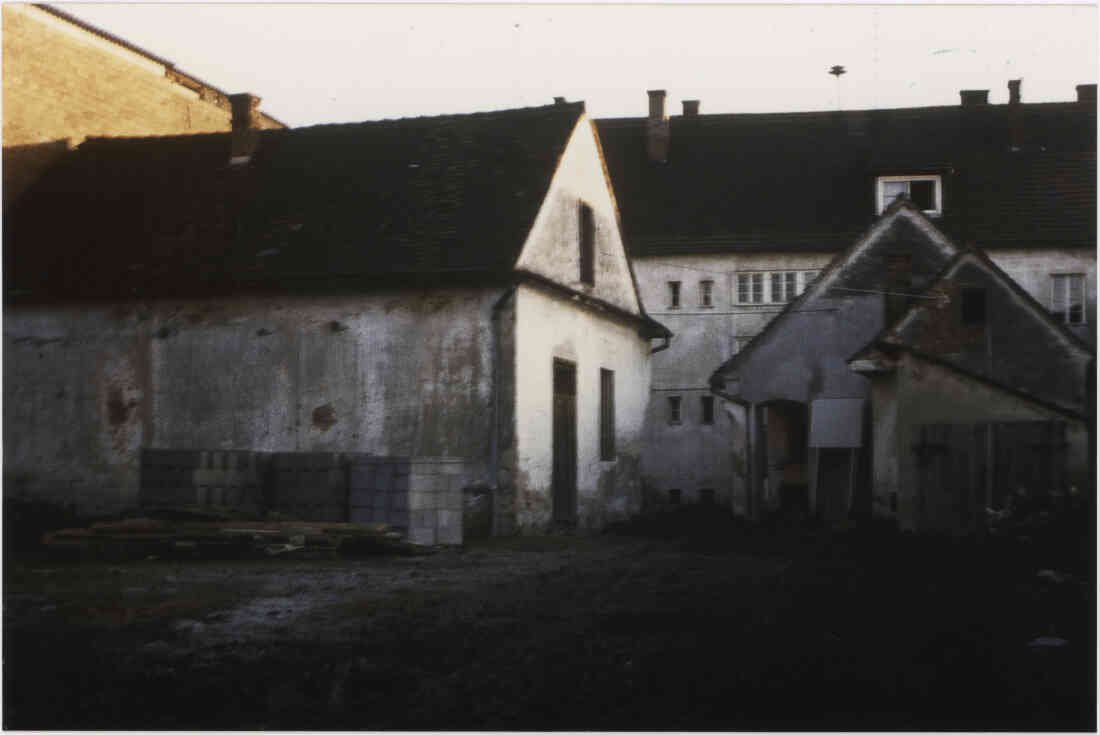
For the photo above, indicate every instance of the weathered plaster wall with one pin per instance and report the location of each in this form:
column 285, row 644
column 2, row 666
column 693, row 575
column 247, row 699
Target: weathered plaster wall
column 1032, row 269
column 402, row 372
column 927, row 393
column 690, row 456
column 552, row 248
column 550, row 326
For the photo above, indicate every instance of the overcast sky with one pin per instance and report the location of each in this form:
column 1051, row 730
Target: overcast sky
column 336, row 63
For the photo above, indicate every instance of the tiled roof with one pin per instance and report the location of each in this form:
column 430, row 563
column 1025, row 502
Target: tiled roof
column 435, row 197
column 1013, row 175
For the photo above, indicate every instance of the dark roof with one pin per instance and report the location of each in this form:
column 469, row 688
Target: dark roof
column 432, row 197
column 1021, row 175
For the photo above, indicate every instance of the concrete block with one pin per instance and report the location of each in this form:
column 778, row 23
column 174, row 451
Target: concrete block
column 423, row 519
column 450, row 500
column 450, row 535
column 453, row 468
column 422, row 500
column 421, row 536
column 396, row 518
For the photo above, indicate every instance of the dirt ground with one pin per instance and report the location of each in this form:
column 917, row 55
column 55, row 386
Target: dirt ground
column 693, row 622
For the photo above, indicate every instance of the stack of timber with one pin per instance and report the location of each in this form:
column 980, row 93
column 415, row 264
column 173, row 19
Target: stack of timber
column 214, row 533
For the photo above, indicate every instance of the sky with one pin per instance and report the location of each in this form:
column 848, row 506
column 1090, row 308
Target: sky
column 322, row 63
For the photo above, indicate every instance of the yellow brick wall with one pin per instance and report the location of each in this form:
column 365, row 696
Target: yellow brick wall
column 62, row 83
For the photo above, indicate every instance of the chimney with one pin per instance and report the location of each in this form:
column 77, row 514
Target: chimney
column 559, row 100
column 246, row 126
column 691, row 108
column 657, row 127
column 1086, row 93
column 973, row 97
column 1014, row 91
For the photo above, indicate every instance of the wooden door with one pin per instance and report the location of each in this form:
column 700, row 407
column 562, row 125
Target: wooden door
column 565, row 442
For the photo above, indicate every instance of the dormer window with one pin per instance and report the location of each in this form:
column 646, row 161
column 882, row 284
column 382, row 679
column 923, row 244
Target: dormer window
column 926, row 191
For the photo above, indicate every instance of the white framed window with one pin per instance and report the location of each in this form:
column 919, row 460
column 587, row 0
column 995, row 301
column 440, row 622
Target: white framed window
column 805, row 279
column 674, row 294
column 924, row 190
column 674, row 409
column 750, row 288
column 706, row 294
column 783, row 286
column 1067, row 297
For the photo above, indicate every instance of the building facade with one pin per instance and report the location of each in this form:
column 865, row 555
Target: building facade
column 730, row 217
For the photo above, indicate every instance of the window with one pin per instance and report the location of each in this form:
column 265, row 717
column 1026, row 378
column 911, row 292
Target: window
column 706, row 496
column 1067, row 299
column 707, row 403
column 607, row 415
column 674, row 294
column 783, row 286
column 750, row 288
column 674, row 497
column 674, row 409
column 706, row 294
column 924, row 190
column 807, row 278
column 973, row 306
column 776, row 287
column 587, row 238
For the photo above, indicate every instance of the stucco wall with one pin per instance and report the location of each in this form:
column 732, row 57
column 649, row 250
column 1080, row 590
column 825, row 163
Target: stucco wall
column 927, row 393
column 402, row 372
column 547, row 327
column 1032, row 269
column 690, row 456
column 552, row 248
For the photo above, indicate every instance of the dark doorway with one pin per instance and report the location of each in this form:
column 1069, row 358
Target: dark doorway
column 565, row 442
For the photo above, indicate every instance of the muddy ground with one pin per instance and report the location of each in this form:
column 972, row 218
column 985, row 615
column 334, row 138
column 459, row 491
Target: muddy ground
column 693, row 622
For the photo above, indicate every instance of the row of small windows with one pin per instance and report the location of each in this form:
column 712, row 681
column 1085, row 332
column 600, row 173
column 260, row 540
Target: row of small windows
column 706, row 409
column 774, row 287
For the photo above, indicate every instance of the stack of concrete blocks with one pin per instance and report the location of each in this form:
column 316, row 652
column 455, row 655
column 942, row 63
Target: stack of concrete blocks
column 310, row 486
column 232, row 479
column 422, row 495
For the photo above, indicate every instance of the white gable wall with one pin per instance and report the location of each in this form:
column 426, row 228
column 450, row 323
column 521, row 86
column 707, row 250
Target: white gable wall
column 552, row 248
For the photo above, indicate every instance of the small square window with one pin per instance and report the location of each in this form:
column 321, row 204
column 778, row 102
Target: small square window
column 674, row 294
column 923, row 190
column 707, row 404
column 674, row 496
column 1067, row 301
column 674, row 409
column 706, row 294
column 706, row 496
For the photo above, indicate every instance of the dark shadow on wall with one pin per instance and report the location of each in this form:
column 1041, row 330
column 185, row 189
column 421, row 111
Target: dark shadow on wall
column 24, row 164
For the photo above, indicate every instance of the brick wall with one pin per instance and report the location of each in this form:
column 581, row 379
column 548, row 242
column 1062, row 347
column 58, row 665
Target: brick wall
column 63, row 83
